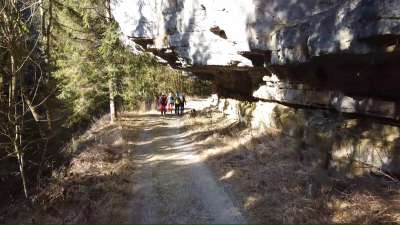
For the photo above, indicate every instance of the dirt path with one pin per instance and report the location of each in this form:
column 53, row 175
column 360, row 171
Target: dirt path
column 171, row 184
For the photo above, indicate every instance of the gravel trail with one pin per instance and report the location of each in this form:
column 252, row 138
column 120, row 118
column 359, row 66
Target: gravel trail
column 171, row 184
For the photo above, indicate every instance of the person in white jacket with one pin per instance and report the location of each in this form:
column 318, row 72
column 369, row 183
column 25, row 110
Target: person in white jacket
column 171, row 102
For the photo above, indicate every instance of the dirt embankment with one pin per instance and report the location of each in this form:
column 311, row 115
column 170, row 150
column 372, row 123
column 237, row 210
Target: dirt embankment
column 273, row 184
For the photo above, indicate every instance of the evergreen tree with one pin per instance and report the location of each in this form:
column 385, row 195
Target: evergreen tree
column 61, row 64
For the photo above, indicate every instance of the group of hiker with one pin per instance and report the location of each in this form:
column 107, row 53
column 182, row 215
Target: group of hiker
column 172, row 103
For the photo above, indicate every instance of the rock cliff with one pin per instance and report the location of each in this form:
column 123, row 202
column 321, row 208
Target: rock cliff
column 337, row 58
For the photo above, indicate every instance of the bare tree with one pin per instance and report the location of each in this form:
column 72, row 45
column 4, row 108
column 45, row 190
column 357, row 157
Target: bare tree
column 19, row 45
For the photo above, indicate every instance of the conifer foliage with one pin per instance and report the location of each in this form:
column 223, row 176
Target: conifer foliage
column 61, row 64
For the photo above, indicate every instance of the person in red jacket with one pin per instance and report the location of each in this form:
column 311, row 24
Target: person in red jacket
column 163, row 104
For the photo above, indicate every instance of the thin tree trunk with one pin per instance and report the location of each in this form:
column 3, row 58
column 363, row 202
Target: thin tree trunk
column 48, row 31
column 45, row 132
column 35, row 114
column 112, row 102
column 20, row 157
column 17, row 142
column 48, row 56
column 110, row 81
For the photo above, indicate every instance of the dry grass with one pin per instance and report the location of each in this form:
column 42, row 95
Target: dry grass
column 273, row 185
column 261, row 168
column 95, row 188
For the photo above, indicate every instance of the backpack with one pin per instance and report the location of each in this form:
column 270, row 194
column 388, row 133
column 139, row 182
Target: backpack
column 163, row 100
column 177, row 101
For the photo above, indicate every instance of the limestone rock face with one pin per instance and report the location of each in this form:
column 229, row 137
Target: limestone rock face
column 219, row 32
column 286, row 92
column 325, row 72
column 336, row 54
column 200, row 32
column 355, row 146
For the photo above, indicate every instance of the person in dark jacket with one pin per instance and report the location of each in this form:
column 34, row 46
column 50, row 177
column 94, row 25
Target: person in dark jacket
column 163, row 104
column 177, row 104
column 183, row 103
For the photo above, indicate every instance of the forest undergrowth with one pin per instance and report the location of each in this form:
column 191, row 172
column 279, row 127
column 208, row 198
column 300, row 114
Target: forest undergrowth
column 95, row 187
